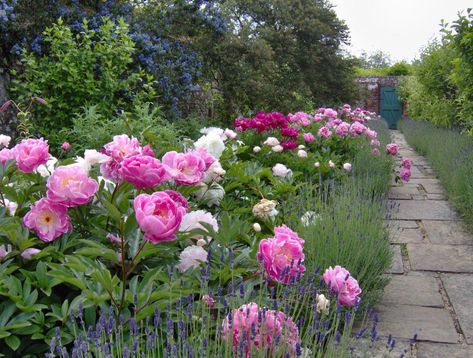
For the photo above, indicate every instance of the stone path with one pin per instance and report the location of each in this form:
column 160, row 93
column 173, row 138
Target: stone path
column 431, row 288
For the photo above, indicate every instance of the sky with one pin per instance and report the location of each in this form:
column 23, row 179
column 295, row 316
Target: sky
column 397, row 27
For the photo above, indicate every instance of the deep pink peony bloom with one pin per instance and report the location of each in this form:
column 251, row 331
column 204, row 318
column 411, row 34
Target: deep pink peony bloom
column 262, row 329
column 158, row 215
column 178, row 199
column 340, row 281
column 48, row 219
column 30, row 154
column 70, row 186
column 308, row 137
column 185, row 168
column 290, row 132
column 208, row 158
column 392, row 149
column 406, row 163
column 288, row 144
column 143, row 171
column 405, row 174
column 342, row 129
column 5, row 155
column 324, row 132
column 282, row 255
column 146, row 150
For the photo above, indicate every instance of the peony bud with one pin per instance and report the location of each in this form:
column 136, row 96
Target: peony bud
column 331, row 164
column 277, row 148
column 302, row 154
column 66, row 146
column 29, row 253
column 347, row 167
column 317, row 164
column 257, row 227
column 257, row 149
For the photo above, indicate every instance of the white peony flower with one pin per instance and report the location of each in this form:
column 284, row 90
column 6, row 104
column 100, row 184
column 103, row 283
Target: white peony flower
column 215, row 173
column 265, row 209
column 191, row 256
column 230, row 134
column 214, row 130
column 201, row 242
column 347, row 167
column 193, row 220
column 271, row 141
column 323, row 305
column 317, row 164
column 302, row 146
column 302, row 154
column 280, row 170
column 213, row 195
column 277, row 148
column 47, row 169
column 212, row 142
column 5, row 140
column 331, row 164
column 257, row 149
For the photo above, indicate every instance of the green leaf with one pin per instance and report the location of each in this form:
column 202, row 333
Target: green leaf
column 13, row 342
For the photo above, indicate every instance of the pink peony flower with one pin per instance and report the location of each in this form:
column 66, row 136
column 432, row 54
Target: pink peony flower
column 357, row 129
column 288, row 145
column 330, row 113
column 185, row 168
column 66, row 146
column 230, row 134
column 290, row 132
column 262, row 329
column 70, row 186
column 392, row 149
column 5, row 155
column 191, row 256
column 405, row 174
column 48, row 219
column 324, row 132
column 111, row 170
column 285, row 233
column 30, row 154
column 29, row 253
column 406, row 163
column 143, row 171
column 121, row 147
column 208, row 158
column 308, row 137
column 158, row 216
column 342, row 129
column 340, row 281
column 282, row 257
column 178, row 199
column 371, row 133
column 375, row 143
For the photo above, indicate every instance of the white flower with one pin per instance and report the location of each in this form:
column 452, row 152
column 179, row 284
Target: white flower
column 11, row 206
column 212, row 142
column 213, row 195
column 5, row 250
column 256, row 227
column 91, row 157
column 271, row 141
column 201, row 242
column 265, row 209
column 277, row 148
column 302, row 146
column 309, row 217
column 302, row 154
column 230, row 134
column 47, row 169
column 306, row 353
column 323, row 304
column 193, row 220
column 191, row 256
column 347, row 167
column 280, row 170
column 257, row 149
column 317, row 164
column 214, row 130
column 215, row 173
column 5, row 140
column 331, row 164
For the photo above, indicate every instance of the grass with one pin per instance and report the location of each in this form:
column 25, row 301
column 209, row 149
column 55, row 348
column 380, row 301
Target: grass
column 451, row 156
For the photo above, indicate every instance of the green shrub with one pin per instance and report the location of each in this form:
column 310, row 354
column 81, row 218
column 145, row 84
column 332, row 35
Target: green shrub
column 91, row 68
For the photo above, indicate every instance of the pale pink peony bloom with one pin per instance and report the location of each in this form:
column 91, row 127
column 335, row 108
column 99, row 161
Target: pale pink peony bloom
column 71, row 186
column 66, row 146
column 271, row 141
column 256, row 149
column 5, row 250
column 143, row 171
column 185, row 168
column 48, row 219
column 191, row 256
column 357, row 129
column 302, row 153
column 371, row 133
column 5, row 140
column 331, row 164
column 405, row 174
column 317, row 164
column 340, row 281
column 208, row 158
column 5, row 155
column 406, row 163
column 122, row 147
column 282, row 257
column 308, row 137
column 261, row 329
column 230, row 134
column 330, row 113
column 158, row 215
column 342, row 129
column 29, row 253
column 277, row 148
column 375, row 143
column 11, row 206
column 347, row 166
column 193, row 220
column 280, row 170
column 324, row 132
column 30, row 154
column 392, row 149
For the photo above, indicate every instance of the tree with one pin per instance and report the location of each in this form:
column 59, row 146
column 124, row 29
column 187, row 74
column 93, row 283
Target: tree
column 377, row 59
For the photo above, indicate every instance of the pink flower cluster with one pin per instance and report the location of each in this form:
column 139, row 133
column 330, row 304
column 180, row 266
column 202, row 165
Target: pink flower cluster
column 340, row 281
column 262, row 122
column 405, row 173
column 392, row 149
column 261, row 329
column 282, row 255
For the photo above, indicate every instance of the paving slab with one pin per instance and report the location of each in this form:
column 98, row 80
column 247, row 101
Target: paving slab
column 440, row 350
column 459, row 290
column 447, row 232
column 433, row 188
column 403, row 321
column 397, row 265
column 416, row 290
column 367, row 349
column 443, row 258
column 405, row 224
column 436, row 196
column 423, row 210
column 404, row 236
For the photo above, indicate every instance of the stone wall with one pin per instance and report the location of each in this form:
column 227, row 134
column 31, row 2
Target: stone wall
column 370, row 88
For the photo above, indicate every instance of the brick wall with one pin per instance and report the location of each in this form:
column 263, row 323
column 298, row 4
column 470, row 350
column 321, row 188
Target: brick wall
column 370, row 89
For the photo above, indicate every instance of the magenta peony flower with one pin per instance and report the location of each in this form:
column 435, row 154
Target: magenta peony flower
column 143, row 171
column 48, row 219
column 340, row 281
column 30, row 154
column 406, row 163
column 282, row 255
column 392, row 149
column 158, row 216
column 308, row 137
column 284, row 232
column 290, row 132
column 185, row 168
column 405, row 174
column 5, row 155
column 288, row 145
column 330, row 113
column 262, row 329
column 324, row 132
column 178, row 199
column 342, row 129
column 71, row 186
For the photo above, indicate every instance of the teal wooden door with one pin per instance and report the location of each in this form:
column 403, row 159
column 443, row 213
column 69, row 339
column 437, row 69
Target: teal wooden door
column 391, row 106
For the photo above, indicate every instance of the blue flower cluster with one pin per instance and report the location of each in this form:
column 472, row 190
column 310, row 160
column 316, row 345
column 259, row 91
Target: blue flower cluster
column 6, row 13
